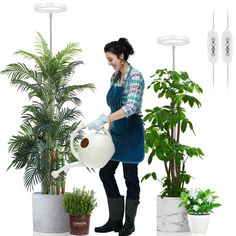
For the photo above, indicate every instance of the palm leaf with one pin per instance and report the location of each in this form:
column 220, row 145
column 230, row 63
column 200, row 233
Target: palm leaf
column 19, row 72
column 40, row 66
column 68, row 53
column 41, row 47
column 32, row 176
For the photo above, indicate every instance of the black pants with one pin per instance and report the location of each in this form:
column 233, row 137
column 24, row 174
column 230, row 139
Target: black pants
column 107, row 175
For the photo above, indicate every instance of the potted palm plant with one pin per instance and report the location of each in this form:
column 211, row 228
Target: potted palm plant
column 199, row 204
column 79, row 204
column 166, row 124
column 42, row 143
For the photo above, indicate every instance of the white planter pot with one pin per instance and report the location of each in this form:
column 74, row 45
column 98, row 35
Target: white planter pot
column 48, row 214
column 198, row 223
column 171, row 217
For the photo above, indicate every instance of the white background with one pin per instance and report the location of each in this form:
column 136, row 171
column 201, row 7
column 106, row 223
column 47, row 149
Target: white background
column 93, row 23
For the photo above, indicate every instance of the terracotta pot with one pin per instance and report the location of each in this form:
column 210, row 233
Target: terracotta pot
column 79, row 225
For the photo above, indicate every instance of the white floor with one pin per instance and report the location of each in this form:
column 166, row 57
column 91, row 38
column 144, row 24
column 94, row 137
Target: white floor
column 134, row 234
column 112, row 233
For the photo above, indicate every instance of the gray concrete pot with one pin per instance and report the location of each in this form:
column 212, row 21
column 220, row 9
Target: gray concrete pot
column 48, row 214
column 171, row 217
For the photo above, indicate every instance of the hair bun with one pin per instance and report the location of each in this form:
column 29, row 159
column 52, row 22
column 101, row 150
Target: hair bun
column 127, row 46
column 122, row 46
column 122, row 40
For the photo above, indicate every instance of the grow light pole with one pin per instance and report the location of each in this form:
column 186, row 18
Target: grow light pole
column 50, row 8
column 173, row 41
column 173, row 52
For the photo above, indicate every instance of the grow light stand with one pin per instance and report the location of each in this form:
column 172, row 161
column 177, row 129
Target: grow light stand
column 50, row 8
column 173, row 41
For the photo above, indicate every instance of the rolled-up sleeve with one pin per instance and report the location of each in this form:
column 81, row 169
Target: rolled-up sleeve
column 133, row 95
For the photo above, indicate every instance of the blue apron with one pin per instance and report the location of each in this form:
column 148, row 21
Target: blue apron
column 127, row 133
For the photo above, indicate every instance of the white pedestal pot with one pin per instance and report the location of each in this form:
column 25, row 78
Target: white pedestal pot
column 198, row 223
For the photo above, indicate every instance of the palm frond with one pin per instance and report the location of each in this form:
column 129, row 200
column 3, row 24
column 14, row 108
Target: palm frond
column 32, row 175
column 68, row 70
column 20, row 146
column 31, row 56
column 68, row 53
column 41, row 47
column 80, row 88
column 68, row 115
column 19, row 72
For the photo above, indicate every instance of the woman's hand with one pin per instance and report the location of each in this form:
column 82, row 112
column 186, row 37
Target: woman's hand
column 98, row 123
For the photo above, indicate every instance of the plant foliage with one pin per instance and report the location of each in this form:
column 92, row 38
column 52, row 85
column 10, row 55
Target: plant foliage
column 167, row 122
column 80, row 202
column 198, row 201
column 42, row 143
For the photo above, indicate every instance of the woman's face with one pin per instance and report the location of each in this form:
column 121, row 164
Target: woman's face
column 114, row 61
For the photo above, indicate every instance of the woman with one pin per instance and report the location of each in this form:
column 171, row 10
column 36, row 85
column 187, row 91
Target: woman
column 126, row 127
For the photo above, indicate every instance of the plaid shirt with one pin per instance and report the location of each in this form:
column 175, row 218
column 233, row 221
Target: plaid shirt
column 133, row 91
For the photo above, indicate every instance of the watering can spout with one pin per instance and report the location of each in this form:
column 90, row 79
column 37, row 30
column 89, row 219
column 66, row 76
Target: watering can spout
column 93, row 151
column 65, row 168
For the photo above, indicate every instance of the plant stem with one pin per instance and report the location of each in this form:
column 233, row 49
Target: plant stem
column 178, row 132
column 167, row 170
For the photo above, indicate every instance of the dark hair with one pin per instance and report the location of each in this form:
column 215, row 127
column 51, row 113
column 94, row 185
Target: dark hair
column 119, row 47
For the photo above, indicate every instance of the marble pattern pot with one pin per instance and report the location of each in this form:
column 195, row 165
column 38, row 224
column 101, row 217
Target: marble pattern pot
column 171, row 217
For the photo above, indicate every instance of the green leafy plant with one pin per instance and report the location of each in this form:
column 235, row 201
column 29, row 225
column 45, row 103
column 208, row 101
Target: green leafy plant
column 198, row 201
column 80, row 202
column 167, row 122
column 42, row 144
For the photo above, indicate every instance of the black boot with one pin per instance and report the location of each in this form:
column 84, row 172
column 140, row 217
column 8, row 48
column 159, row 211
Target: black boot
column 130, row 213
column 116, row 212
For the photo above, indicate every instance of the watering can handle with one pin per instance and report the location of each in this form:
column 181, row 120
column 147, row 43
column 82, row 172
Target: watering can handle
column 82, row 126
column 106, row 132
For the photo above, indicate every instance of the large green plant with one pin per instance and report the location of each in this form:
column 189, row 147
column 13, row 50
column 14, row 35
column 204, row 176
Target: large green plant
column 42, row 144
column 167, row 122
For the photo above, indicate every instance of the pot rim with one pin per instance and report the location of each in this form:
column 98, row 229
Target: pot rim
column 171, row 198
column 79, row 215
column 207, row 214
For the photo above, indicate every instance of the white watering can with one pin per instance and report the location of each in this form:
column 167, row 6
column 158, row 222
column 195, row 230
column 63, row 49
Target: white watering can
column 94, row 150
